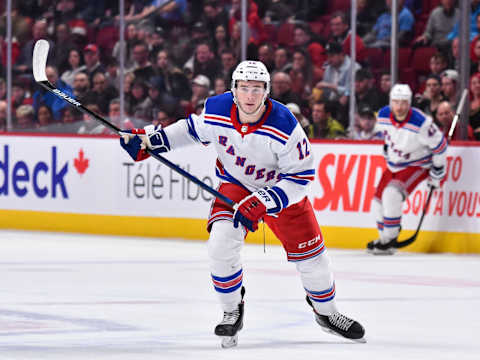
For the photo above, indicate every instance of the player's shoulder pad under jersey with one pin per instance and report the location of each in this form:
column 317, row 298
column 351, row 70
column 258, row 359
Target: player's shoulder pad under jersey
column 418, row 117
column 281, row 118
column 384, row 112
column 219, row 104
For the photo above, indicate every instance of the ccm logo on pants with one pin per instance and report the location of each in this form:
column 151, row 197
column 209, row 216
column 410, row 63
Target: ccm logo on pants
column 309, row 242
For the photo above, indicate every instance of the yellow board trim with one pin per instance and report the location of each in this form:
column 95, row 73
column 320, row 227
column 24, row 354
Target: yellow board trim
column 195, row 229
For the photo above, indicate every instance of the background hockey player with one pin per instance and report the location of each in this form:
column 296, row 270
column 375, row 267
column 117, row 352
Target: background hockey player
column 415, row 150
column 264, row 165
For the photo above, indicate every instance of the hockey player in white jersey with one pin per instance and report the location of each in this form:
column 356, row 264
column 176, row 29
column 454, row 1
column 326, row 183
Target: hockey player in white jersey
column 415, row 150
column 265, row 165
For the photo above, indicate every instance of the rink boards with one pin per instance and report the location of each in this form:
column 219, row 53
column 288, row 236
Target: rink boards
column 89, row 185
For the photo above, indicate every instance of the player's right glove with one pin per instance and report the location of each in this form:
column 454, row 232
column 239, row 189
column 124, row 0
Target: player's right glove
column 436, row 176
column 136, row 141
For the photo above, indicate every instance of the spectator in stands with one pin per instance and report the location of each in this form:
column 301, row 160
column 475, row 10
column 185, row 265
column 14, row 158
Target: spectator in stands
column 55, row 103
column 340, row 32
column 449, row 86
column 365, row 16
column 474, row 115
column 336, row 79
column 323, row 125
column 380, row 34
column 63, row 44
column 71, row 121
column 366, row 95
column 454, row 54
column 163, row 13
column 200, row 91
column 203, row 62
column 113, row 73
column 75, row 65
column 385, row 84
column 101, row 93
column 139, row 95
column 303, row 38
column 257, row 34
column 229, row 62
column 265, row 55
column 128, row 80
column 221, row 39
column 282, row 89
column 157, row 99
column 281, row 60
column 431, row 97
column 474, row 22
column 114, row 117
column 301, row 73
column 19, row 95
column 214, row 15
column 220, row 86
column 92, row 61
column 162, row 118
column 156, row 41
column 302, row 120
column 81, row 86
column 475, row 55
column 364, row 127
column 23, row 64
column 24, row 118
column 438, row 63
column 3, row 116
column 444, row 119
column 3, row 89
column 142, row 68
column 175, row 82
column 44, row 118
column 131, row 39
column 440, row 23
column 89, row 125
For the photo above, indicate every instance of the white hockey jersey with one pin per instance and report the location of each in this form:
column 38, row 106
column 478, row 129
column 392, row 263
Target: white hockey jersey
column 273, row 152
column 416, row 141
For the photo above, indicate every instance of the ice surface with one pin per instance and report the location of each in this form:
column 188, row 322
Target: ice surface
column 69, row 296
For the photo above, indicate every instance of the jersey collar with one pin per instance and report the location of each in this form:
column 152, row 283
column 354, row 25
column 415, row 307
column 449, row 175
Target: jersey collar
column 399, row 124
column 245, row 129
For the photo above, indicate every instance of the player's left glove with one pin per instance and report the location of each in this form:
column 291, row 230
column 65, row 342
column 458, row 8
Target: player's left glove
column 254, row 207
column 136, row 141
column 436, row 176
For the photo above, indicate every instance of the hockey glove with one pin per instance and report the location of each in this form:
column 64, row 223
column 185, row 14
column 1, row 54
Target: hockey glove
column 136, row 141
column 436, row 176
column 254, row 207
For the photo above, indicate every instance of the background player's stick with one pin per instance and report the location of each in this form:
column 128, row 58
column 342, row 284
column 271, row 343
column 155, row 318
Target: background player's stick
column 40, row 54
column 411, row 239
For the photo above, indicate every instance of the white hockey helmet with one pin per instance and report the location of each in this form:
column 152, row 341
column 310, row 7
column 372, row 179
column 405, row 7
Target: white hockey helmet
column 251, row 70
column 401, row 92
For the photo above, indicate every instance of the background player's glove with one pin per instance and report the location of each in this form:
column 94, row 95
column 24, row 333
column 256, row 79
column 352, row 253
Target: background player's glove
column 254, row 207
column 135, row 141
column 436, row 176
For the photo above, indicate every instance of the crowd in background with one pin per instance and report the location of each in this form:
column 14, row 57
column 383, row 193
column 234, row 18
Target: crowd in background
column 180, row 52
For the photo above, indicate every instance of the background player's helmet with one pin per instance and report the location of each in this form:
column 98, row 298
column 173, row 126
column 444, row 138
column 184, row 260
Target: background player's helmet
column 251, row 70
column 401, row 92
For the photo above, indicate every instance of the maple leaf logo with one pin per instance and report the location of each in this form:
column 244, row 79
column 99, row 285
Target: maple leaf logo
column 80, row 163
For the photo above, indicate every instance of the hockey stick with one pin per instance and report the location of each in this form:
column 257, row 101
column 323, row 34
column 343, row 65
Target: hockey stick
column 40, row 54
column 411, row 239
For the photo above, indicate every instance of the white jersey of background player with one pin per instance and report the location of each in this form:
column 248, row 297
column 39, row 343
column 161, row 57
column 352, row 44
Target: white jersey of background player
column 415, row 150
column 265, row 165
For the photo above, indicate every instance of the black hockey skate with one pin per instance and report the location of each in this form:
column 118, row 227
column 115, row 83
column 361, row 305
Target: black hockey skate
column 231, row 324
column 376, row 247
column 339, row 324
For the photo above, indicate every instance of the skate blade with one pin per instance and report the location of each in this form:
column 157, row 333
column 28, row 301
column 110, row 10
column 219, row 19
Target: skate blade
column 229, row 341
column 381, row 252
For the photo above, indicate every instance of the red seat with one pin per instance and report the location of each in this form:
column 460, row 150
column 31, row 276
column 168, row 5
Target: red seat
column 339, row 5
column 106, row 38
column 377, row 59
column 271, row 31
column 317, row 27
column 285, row 34
column 421, row 59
